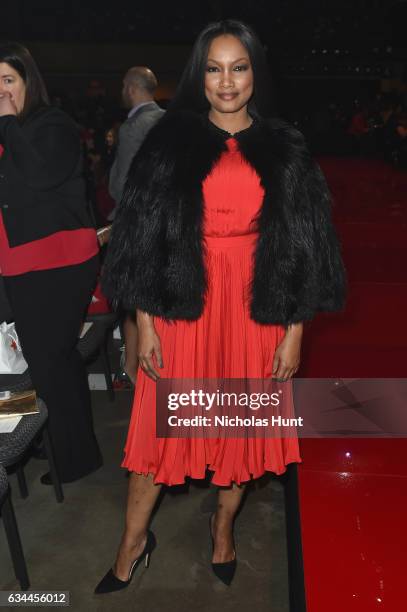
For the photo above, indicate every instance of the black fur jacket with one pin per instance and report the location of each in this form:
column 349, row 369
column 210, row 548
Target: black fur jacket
column 155, row 258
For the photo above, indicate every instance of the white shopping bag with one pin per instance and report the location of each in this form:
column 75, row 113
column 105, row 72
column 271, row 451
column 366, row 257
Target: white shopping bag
column 11, row 356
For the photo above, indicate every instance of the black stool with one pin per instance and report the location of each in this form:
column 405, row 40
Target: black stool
column 15, row 446
column 12, row 533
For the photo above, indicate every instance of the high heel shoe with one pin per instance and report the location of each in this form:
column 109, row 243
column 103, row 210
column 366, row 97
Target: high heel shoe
column 110, row 582
column 121, row 379
column 224, row 571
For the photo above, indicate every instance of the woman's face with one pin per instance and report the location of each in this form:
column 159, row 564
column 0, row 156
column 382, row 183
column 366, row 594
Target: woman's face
column 11, row 82
column 228, row 75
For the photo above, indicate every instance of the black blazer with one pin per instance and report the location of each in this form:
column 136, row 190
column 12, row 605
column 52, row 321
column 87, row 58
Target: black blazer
column 42, row 190
column 155, row 256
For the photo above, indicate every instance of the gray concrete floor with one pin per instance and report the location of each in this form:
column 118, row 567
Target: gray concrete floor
column 70, row 546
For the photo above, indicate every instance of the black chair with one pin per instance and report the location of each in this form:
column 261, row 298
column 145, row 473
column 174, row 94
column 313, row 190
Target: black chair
column 95, row 342
column 15, row 448
column 32, row 430
column 15, row 382
column 12, row 533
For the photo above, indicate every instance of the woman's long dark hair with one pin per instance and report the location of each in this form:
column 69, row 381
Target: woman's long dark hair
column 19, row 58
column 190, row 93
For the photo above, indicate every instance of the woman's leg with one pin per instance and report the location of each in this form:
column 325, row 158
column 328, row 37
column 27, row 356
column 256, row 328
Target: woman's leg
column 141, row 498
column 229, row 500
column 48, row 308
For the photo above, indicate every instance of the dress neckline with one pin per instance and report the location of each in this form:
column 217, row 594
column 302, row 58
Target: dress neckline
column 228, row 135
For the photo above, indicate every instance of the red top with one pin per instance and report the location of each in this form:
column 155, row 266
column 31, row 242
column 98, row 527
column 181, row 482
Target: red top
column 65, row 248
column 233, row 195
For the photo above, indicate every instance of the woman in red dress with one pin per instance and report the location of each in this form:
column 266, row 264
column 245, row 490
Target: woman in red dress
column 216, row 297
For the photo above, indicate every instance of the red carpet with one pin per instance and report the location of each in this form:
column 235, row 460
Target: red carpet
column 368, row 338
column 353, row 508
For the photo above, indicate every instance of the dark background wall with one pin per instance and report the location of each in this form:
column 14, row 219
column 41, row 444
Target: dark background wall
column 320, row 51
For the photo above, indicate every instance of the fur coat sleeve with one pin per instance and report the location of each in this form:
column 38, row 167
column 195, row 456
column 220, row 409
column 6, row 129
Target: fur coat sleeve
column 136, row 254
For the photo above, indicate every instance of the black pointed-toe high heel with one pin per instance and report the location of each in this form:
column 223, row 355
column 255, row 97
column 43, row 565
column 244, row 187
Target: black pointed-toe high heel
column 224, row 571
column 110, row 582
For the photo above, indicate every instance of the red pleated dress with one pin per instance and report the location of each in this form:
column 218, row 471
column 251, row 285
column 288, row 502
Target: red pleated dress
column 223, row 342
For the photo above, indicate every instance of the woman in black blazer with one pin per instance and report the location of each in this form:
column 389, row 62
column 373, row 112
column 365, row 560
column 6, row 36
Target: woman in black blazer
column 48, row 254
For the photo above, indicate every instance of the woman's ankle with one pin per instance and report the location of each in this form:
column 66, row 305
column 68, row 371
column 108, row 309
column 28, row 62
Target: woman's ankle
column 134, row 541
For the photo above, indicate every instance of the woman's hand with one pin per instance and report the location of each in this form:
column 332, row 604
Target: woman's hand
column 287, row 356
column 149, row 346
column 7, row 106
